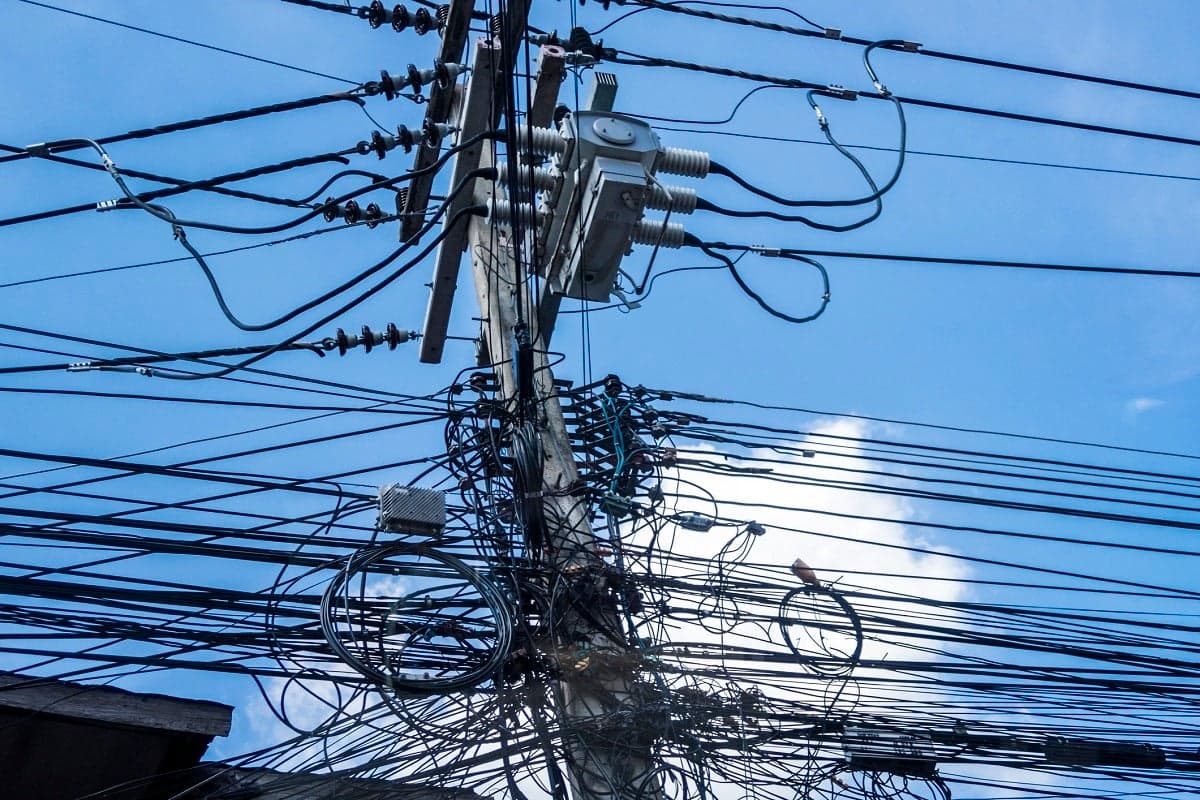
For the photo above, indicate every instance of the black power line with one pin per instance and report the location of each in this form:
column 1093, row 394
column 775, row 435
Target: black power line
column 832, row 34
column 636, row 59
column 960, row 261
column 191, row 42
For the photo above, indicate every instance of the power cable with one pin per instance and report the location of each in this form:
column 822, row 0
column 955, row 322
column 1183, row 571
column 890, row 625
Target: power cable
column 54, row 148
column 191, row 42
column 902, row 46
column 635, row 59
column 188, row 186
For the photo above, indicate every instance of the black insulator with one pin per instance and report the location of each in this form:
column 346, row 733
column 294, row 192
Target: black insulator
column 351, row 212
column 392, row 336
column 368, row 338
column 387, row 84
column 330, row 210
column 400, row 18
column 414, row 78
column 379, row 145
column 441, row 75
column 374, row 215
column 431, row 133
column 443, row 15
column 423, row 22
column 406, row 138
column 496, row 24
column 612, row 386
column 376, row 14
column 343, row 342
column 580, row 41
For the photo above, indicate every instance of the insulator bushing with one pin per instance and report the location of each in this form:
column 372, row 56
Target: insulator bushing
column 373, row 215
column 652, row 232
column 351, row 212
column 682, row 199
column 503, row 210
column 679, row 161
column 540, row 141
column 543, row 179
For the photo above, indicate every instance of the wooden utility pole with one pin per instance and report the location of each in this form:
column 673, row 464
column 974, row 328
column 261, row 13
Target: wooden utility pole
column 605, row 760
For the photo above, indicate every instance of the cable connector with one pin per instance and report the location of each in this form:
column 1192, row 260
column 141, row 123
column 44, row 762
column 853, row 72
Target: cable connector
column 109, row 205
column 910, row 47
column 763, row 250
column 840, row 92
column 833, row 33
column 824, row 123
column 695, row 521
column 39, row 150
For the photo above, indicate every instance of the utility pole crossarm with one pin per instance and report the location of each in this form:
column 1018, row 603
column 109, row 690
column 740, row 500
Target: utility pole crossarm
column 454, row 40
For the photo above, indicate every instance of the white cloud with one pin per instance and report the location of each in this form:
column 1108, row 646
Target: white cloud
column 1140, row 405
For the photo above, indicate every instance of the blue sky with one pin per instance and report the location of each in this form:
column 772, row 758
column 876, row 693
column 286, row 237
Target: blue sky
column 1104, row 358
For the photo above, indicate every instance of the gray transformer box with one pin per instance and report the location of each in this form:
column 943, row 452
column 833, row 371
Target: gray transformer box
column 600, row 202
